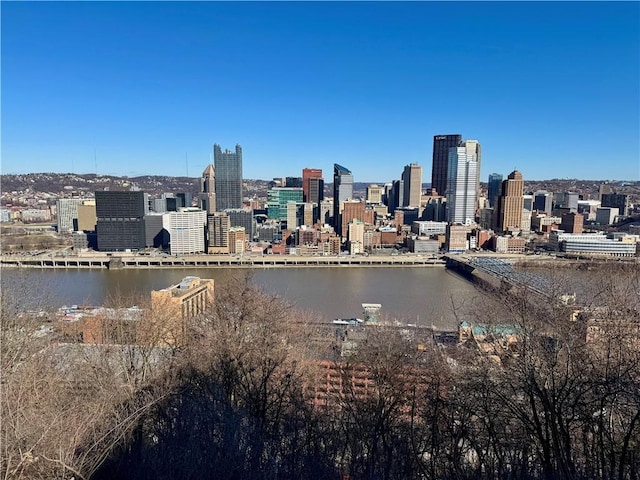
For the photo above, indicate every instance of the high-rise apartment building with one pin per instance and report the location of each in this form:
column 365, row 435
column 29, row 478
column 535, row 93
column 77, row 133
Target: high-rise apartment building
column 493, row 187
column 440, row 166
column 208, row 190
column 120, row 220
column 510, row 203
column 412, row 178
column 342, row 190
column 312, row 192
column 463, row 180
column 228, row 177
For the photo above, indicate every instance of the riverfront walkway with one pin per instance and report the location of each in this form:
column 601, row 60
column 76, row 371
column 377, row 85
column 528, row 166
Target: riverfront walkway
column 118, row 261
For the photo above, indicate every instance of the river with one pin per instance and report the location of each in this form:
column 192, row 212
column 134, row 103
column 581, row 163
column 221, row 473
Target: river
column 422, row 295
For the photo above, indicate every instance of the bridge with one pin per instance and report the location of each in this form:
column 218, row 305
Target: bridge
column 118, row 261
column 502, row 269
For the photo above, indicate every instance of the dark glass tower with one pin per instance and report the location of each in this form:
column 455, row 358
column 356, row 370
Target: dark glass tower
column 228, row 179
column 441, row 146
column 342, row 190
column 120, row 220
column 495, row 182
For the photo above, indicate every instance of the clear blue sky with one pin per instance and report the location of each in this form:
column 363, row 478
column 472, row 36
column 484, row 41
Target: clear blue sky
column 549, row 88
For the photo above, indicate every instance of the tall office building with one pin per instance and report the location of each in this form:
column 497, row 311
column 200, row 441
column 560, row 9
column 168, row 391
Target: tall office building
column 342, row 190
column 543, row 201
column 218, row 225
column 374, row 193
column 495, row 181
column 278, row 198
column 120, row 220
column 440, row 166
column 571, row 201
column 186, row 230
column 510, row 204
column 228, row 177
column 208, row 190
column 312, row 193
column 396, row 195
column 293, row 182
column 242, row 217
column 462, row 179
column 67, row 212
column 412, row 178
column 615, row 200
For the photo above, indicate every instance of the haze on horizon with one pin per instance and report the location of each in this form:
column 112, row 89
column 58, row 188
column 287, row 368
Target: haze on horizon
column 146, row 88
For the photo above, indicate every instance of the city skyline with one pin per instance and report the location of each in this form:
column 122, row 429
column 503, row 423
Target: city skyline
column 130, row 88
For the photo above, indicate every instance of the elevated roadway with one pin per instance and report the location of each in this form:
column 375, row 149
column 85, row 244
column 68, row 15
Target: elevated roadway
column 117, row 261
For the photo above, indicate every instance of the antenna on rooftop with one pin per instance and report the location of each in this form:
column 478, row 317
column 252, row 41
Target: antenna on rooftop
column 186, row 159
column 95, row 159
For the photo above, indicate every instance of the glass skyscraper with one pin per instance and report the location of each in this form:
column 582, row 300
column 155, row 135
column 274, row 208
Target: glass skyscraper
column 495, row 181
column 440, row 167
column 228, row 177
column 342, row 190
column 463, row 178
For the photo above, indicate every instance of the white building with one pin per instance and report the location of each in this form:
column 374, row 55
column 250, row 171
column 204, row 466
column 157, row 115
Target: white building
column 593, row 243
column 463, row 178
column 186, row 230
column 427, row 228
column 588, row 208
column 5, row 215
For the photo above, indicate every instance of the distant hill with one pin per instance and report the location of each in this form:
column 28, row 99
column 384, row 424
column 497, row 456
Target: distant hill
column 55, row 183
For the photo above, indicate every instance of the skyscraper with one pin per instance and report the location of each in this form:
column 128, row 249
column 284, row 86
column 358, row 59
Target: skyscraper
column 412, row 178
column 308, row 189
column 208, row 190
column 440, row 169
column 495, row 180
column 228, row 177
column 462, row 182
column 120, row 220
column 342, row 190
column 396, row 195
column 510, row 203
column 218, row 225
